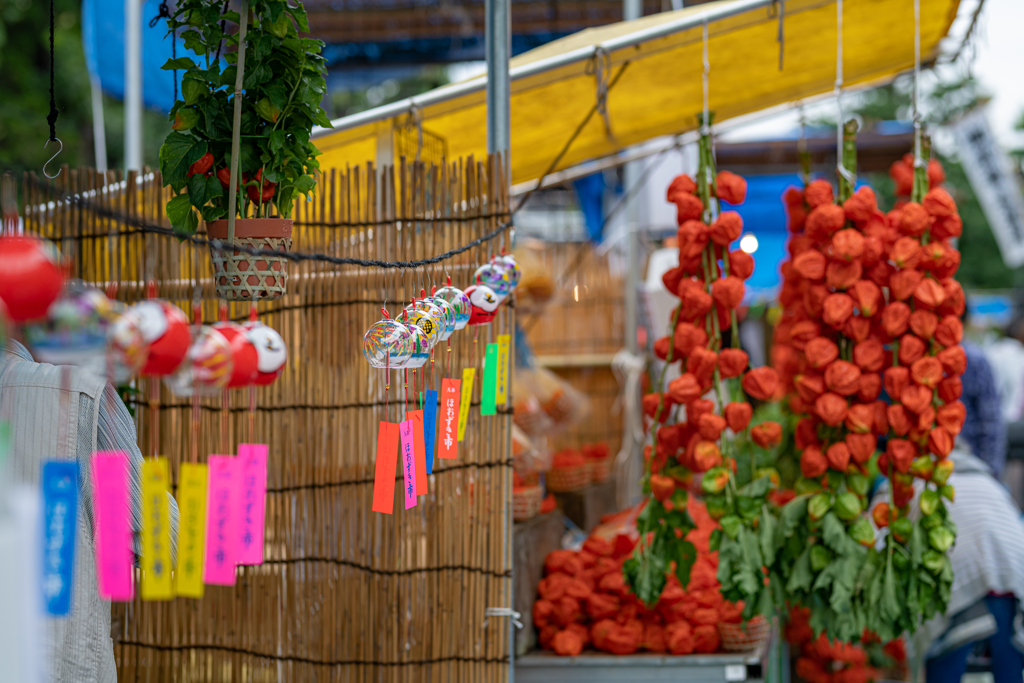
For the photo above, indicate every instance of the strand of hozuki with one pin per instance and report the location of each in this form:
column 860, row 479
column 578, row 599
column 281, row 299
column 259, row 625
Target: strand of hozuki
column 709, row 282
column 869, row 303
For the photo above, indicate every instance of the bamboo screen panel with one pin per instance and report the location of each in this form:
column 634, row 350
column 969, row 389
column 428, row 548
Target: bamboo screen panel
column 345, row 594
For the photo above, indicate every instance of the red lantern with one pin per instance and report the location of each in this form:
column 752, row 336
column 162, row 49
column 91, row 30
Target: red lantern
column 30, row 278
column 242, row 352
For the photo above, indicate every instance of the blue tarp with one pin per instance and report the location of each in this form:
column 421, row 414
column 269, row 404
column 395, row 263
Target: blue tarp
column 764, row 216
column 103, row 42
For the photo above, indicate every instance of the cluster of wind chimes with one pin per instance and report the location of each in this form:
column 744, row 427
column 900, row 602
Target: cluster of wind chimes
column 390, row 344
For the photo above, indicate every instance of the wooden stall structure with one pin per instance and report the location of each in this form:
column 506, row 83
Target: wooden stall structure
column 345, row 594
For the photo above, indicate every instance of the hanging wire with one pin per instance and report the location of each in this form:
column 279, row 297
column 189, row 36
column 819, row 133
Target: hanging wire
column 843, row 171
column 600, row 66
column 705, row 125
column 51, row 118
column 918, row 160
column 165, row 13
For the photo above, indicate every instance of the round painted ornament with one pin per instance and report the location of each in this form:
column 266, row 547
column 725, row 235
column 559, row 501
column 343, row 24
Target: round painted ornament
column 511, row 266
column 420, row 348
column 208, row 366
column 449, row 315
column 388, row 344
column 164, row 333
column 484, row 303
column 243, row 354
column 459, row 302
column 496, row 277
column 30, row 276
column 271, row 352
column 428, row 317
column 74, row 331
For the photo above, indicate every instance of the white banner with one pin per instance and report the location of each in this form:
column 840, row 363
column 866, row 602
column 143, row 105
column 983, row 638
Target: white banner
column 992, row 177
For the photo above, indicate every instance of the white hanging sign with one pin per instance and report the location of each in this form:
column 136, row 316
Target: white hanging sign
column 990, row 172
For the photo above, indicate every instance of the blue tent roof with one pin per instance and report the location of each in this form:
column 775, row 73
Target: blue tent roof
column 103, row 42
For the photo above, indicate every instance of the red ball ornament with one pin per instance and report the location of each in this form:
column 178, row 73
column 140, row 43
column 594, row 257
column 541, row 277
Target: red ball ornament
column 271, row 352
column 165, row 330
column 30, row 278
column 242, row 352
column 484, row 304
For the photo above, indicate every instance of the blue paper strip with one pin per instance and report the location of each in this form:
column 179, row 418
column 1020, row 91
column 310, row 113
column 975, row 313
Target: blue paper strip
column 60, row 524
column 430, row 428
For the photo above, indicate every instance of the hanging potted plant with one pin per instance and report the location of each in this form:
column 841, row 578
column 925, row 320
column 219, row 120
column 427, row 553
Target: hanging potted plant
column 256, row 106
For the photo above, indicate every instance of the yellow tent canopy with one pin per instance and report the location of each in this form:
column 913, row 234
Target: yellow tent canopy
column 650, row 69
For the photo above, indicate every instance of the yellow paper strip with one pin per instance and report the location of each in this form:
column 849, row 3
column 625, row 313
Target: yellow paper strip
column 467, row 398
column 501, row 393
column 192, row 537
column 156, row 531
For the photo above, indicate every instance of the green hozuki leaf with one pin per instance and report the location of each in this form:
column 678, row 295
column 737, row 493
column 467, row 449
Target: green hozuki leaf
column 767, row 534
column 180, row 214
column 918, row 544
column 178, row 152
column 890, row 605
column 685, row 554
column 801, row 576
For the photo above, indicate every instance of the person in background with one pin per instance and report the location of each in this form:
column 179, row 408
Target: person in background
column 1007, row 353
column 66, row 414
column 988, row 579
column 984, row 430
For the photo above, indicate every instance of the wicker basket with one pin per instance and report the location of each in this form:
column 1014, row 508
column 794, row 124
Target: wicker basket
column 744, row 638
column 565, row 479
column 600, row 469
column 526, row 502
column 239, row 276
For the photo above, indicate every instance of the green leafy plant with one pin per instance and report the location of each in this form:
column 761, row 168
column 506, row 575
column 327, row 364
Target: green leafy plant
column 284, row 84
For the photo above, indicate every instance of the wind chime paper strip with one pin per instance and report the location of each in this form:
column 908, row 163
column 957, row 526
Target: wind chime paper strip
column 384, row 468
column 416, row 417
column 501, row 393
column 223, row 535
column 408, row 464
column 156, row 531
column 192, row 534
column 468, row 375
column 60, row 525
column 448, row 438
column 254, row 501
column 430, row 428
column 113, row 534
column 488, row 392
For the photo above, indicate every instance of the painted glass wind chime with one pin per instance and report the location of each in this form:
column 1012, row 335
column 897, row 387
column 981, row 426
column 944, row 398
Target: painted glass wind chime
column 408, row 343
column 222, row 503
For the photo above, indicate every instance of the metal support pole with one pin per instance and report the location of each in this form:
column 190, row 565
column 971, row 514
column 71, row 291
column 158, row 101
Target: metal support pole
column 498, row 46
column 498, row 22
column 99, row 133
column 633, row 9
column 133, row 85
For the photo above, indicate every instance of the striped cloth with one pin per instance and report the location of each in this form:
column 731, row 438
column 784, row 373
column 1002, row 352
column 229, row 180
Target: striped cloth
column 116, row 432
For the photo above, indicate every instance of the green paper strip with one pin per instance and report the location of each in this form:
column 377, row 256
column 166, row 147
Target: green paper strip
column 488, row 395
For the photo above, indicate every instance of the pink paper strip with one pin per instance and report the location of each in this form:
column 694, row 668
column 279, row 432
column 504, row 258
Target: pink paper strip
column 408, row 464
column 113, row 531
column 223, row 526
column 254, row 501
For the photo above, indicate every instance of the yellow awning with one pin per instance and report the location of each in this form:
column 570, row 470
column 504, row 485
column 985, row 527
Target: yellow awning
column 654, row 66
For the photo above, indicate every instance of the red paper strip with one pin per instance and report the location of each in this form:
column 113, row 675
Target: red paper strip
column 448, row 440
column 416, row 416
column 384, row 469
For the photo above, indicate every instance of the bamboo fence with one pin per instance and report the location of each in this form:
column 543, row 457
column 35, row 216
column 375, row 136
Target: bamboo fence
column 344, row 594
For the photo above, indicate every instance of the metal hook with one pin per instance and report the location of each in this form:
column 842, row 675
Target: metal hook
column 51, row 177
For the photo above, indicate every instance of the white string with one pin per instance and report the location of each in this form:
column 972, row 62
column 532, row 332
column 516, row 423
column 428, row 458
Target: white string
column 918, row 160
column 843, row 171
column 705, row 128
